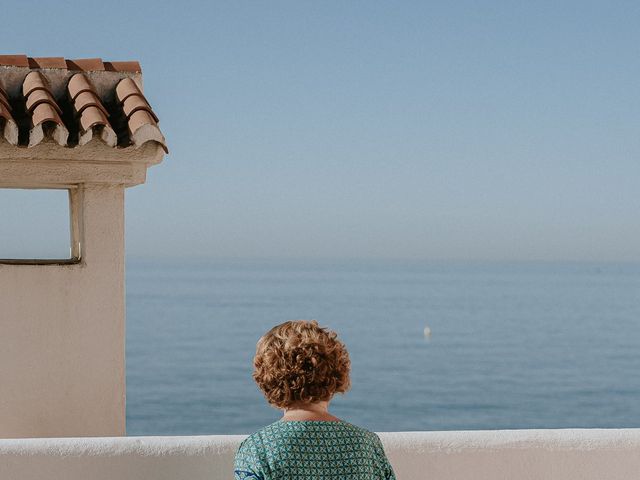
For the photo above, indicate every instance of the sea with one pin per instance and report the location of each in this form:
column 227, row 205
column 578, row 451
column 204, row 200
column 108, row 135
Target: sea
column 512, row 345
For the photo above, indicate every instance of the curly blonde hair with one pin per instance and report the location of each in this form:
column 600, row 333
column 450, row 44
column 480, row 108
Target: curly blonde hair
column 299, row 362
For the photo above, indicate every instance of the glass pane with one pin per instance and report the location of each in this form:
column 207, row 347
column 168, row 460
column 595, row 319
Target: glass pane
column 34, row 224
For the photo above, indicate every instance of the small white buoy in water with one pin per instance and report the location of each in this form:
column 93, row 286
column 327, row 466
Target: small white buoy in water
column 427, row 332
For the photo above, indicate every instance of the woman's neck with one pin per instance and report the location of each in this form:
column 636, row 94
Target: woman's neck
column 310, row 411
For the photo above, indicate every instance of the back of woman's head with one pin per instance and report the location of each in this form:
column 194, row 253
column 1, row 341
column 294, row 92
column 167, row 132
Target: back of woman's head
column 299, row 362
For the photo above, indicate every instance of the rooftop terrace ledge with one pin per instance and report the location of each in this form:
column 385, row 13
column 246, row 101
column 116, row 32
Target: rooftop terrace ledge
column 585, row 454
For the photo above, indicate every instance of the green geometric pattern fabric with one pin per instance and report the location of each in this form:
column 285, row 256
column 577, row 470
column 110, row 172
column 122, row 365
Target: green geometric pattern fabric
column 312, row 450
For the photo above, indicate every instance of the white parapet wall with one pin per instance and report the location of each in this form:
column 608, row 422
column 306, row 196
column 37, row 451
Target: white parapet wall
column 580, row 454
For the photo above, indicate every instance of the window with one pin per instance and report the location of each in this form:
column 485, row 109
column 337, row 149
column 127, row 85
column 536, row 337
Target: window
column 39, row 226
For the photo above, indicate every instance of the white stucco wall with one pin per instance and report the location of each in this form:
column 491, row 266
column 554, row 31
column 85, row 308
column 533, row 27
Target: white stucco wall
column 62, row 342
column 479, row 455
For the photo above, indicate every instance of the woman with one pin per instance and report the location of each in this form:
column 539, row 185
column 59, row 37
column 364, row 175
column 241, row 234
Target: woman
column 299, row 366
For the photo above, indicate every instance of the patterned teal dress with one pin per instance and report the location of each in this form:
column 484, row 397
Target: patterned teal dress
column 312, row 450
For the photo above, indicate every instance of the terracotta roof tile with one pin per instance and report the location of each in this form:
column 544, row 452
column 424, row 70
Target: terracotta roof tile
column 77, row 84
column 122, row 67
column 34, row 81
column 94, row 122
column 5, row 112
column 48, row 62
column 5, row 104
column 57, row 100
column 3, row 91
column 127, row 87
column 134, row 103
column 43, row 109
column 4, row 99
column 14, row 60
column 36, row 91
column 86, row 64
column 91, row 117
column 88, row 99
column 41, row 96
column 8, row 124
column 141, row 120
column 144, row 129
column 90, row 111
column 45, row 114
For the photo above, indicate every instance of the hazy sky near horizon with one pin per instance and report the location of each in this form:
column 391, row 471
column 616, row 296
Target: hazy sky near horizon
column 431, row 130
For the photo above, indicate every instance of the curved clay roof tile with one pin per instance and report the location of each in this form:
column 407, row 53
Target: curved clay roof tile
column 93, row 121
column 9, row 126
column 4, row 100
column 138, row 119
column 41, row 96
column 142, row 121
column 90, row 111
column 4, row 112
column 78, row 84
column 144, row 129
column 134, row 103
column 45, row 113
column 34, row 81
column 88, row 99
column 82, row 105
column 3, row 95
column 92, row 116
column 126, row 88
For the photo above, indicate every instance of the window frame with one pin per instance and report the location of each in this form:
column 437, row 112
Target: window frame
column 75, row 196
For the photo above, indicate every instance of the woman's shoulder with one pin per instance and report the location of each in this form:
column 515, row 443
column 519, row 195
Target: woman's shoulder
column 284, row 429
column 317, row 425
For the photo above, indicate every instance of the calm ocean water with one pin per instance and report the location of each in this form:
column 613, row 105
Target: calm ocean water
column 523, row 345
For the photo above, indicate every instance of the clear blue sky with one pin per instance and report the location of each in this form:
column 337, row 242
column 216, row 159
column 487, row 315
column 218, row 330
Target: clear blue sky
column 431, row 130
